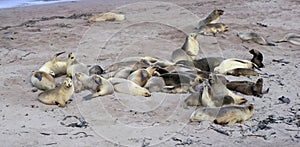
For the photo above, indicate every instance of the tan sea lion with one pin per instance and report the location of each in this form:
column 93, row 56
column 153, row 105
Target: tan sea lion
column 194, row 99
column 55, row 66
column 59, row 95
column 128, row 87
column 99, row 85
column 140, row 76
column 74, row 66
column 211, row 98
column 188, row 51
column 213, row 29
column 191, row 45
column 257, row 58
column 247, row 87
column 216, row 94
column 42, row 80
column 291, row 38
column 213, row 17
column 146, row 59
column 223, row 115
column 246, row 36
column 233, row 63
column 107, row 17
column 179, row 55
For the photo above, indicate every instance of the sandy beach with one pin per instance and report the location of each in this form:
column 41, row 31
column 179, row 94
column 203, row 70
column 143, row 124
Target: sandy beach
column 30, row 36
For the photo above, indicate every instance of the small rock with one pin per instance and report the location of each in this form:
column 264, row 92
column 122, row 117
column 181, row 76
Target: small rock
column 297, row 115
column 284, row 100
column 34, row 90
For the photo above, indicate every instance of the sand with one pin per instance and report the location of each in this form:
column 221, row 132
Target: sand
column 30, row 36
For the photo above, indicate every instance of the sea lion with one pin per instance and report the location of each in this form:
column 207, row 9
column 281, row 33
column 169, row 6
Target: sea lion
column 257, row 58
column 233, row 63
column 179, row 55
column 242, row 72
column 247, row 87
column 213, row 29
column 96, row 69
column 59, row 95
column 191, row 45
column 42, row 80
column 291, row 38
column 188, row 51
column 223, row 115
column 141, row 76
column 246, row 36
column 99, row 85
column 55, row 66
column 213, row 17
column 107, row 17
column 194, row 99
column 177, row 79
column 219, row 98
column 208, row 64
column 155, row 84
column 146, row 59
column 74, row 66
column 128, row 87
column 216, row 94
column 133, row 64
column 123, row 72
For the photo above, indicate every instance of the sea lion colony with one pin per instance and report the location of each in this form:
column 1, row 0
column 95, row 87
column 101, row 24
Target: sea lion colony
column 205, row 79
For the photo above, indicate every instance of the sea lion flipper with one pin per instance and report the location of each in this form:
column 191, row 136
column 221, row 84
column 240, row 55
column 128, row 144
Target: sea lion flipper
column 54, row 59
column 39, row 76
column 98, row 80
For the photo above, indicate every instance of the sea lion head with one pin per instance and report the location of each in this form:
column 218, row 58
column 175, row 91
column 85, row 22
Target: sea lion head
column 218, row 12
column 192, row 36
column 68, row 82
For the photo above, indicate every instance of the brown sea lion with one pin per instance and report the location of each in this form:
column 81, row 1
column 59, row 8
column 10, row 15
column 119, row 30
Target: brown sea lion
column 257, row 58
column 247, row 87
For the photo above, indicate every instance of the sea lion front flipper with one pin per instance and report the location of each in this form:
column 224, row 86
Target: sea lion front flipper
column 39, row 76
column 98, row 80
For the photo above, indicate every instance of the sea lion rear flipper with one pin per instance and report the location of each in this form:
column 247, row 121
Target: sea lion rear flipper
column 55, row 56
column 89, row 97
